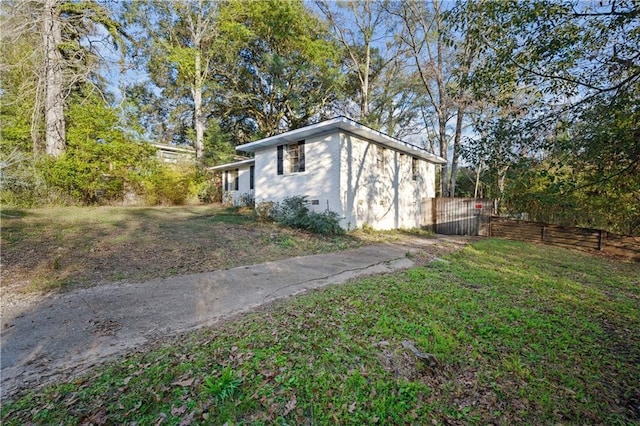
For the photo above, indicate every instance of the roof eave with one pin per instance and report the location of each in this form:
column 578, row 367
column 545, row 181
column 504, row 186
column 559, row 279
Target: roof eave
column 233, row 165
column 346, row 125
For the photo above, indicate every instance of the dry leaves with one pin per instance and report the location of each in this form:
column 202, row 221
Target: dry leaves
column 291, row 405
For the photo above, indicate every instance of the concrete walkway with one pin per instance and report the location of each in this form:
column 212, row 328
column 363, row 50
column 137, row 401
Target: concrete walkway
column 66, row 333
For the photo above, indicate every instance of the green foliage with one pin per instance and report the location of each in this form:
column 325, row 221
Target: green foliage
column 279, row 67
column 324, row 223
column 22, row 183
column 263, row 210
column 559, row 82
column 223, row 387
column 100, row 164
column 209, row 191
column 177, row 44
column 367, row 228
column 293, row 212
column 217, row 145
column 19, row 113
column 170, row 185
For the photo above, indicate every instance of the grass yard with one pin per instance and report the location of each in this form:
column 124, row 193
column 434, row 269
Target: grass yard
column 69, row 247
column 521, row 334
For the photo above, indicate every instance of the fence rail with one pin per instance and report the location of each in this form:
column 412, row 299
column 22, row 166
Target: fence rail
column 580, row 238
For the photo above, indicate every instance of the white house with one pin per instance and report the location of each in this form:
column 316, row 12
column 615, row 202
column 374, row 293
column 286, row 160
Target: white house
column 365, row 176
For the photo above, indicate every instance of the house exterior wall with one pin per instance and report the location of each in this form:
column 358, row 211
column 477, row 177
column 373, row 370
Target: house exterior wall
column 319, row 182
column 342, row 174
column 233, row 197
column 384, row 196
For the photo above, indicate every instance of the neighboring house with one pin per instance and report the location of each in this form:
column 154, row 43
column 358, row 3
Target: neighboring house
column 175, row 154
column 365, row 176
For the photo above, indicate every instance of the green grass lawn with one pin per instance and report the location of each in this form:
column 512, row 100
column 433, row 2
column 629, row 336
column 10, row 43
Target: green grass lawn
column 522, row 334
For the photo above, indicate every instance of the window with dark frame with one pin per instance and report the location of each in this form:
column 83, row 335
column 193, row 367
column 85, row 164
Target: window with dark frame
column 252, row 171
column 294, row 157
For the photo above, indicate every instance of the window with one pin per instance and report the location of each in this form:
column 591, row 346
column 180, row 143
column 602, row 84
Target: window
column 231, row 180
column 252, row 170
column 415, row 170
column 381, row 154
column 291, row 158
column 236, row 179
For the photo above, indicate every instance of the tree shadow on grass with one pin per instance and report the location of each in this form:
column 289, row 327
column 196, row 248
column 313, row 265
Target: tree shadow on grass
column 63, row 249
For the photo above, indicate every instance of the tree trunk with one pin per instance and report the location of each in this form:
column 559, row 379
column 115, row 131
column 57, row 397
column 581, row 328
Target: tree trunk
column 442, row 137
column 502, row 177
column 478, row 171
column 55, row 132
column 364, row 101
column 456, row 152
column 197, row 104
column 443, row 100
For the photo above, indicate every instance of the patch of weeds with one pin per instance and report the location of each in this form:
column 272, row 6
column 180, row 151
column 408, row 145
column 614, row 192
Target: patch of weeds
column 367, row 228
column 223, row 387
column 285, row 241
column 12, row 213
column 417, row 232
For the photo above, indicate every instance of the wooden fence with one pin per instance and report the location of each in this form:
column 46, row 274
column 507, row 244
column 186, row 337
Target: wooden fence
column 580, row 238
column 458, row 216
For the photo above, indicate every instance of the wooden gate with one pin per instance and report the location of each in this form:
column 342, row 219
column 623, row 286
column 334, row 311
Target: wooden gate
column 461, row 216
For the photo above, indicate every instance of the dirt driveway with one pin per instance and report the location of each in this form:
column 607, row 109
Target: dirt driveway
column 64, row 334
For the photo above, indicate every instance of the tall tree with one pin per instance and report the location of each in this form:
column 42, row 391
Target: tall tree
column 176, row 44
column 64, row 55
column 359, row 27
column 582, row 59
column 280, row 68
column 55, row 133
column 379, row 89
column 424, row 33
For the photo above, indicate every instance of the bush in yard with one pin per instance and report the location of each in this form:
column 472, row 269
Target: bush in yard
column 325, row 223
column 246, row 200
column 209, row 191
column 170, row 185
column 293, row 212
column 263, row 211
column 22, row 183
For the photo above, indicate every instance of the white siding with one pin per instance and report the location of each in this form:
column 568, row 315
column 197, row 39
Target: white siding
column 320, row 181
column 342, row 173
column 384, row 198
column 233, row 197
